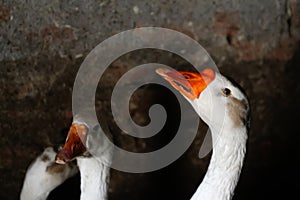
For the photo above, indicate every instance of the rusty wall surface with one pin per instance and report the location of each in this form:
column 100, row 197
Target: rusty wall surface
column 43, row 43
column 245, row 31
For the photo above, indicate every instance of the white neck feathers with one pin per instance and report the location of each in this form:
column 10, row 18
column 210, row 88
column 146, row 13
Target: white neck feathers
column 229, row 147
column 94, row 178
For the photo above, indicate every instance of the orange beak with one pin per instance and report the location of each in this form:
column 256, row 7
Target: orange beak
column 189, row 84
column 74, row 145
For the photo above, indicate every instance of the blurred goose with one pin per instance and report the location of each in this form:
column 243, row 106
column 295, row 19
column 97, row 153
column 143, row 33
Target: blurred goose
column 44, row 175
column 225, row 109
column 94, row 171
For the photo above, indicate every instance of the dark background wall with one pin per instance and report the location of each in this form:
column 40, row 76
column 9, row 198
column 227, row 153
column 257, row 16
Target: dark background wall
column 42, row 44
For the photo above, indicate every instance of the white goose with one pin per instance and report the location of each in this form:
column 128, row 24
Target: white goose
column 44, row 175
column 225, row 109
column 94, row 172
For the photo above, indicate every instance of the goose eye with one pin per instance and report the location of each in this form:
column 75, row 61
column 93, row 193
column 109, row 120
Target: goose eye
column 96, row 128
column 226, row 92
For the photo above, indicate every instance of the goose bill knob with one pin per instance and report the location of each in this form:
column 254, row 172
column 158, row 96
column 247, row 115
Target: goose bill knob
column 74, row 145
column 189, row 84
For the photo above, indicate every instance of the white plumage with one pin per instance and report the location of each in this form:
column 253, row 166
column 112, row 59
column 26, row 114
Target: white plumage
column 44, row 175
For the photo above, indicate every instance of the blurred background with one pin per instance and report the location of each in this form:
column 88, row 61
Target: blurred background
column 43, row 43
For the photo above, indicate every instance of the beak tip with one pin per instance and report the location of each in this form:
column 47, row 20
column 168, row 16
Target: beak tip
column 62, row 157
column 59, row 161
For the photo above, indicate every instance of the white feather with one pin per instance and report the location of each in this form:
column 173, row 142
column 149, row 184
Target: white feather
column 39, row 181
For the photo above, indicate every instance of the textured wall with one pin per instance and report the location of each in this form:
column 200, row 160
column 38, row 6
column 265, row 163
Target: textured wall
column 42, row 44
column 243, row 30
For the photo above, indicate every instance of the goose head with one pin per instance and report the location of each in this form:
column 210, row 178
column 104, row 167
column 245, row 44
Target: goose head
column 218, row 101
column 85, row 138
